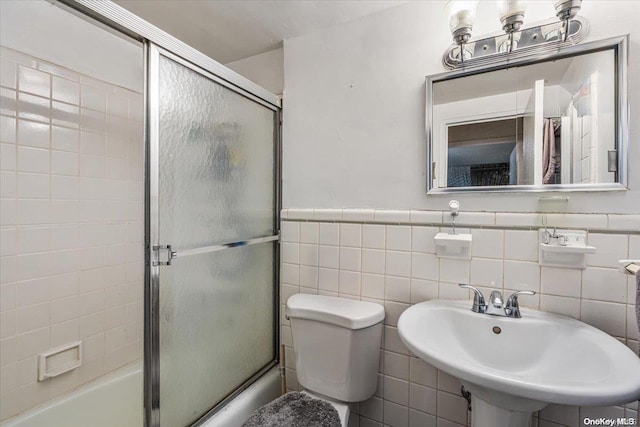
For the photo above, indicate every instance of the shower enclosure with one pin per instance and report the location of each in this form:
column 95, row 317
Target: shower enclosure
column 177, row 191
column 212, row 234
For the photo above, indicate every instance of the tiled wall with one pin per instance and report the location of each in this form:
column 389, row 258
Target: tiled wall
column 71, row 226
column 389, row 257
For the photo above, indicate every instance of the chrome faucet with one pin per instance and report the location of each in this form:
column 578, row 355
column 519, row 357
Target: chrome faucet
column 496, row 305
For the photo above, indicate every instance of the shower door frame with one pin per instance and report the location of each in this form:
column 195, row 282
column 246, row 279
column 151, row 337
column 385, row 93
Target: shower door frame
column 155, row 41
column 152, row 238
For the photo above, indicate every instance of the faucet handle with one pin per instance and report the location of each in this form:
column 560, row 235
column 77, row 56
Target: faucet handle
column 513, row 308
column 479, row 306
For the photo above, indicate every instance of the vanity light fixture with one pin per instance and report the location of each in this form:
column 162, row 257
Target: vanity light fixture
column 462, row 13
column 546, row 37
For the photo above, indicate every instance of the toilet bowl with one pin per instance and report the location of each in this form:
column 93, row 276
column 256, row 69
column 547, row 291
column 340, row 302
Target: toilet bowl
column 337, row 348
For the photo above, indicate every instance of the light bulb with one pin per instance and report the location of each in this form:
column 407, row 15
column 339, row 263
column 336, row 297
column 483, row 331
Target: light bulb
column 511, row 14
column 462, row 13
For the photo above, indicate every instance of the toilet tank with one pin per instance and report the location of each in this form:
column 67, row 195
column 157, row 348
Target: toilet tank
column 337, row 345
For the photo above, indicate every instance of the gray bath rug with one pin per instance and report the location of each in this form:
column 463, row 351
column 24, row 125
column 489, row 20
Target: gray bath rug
column 295, row 410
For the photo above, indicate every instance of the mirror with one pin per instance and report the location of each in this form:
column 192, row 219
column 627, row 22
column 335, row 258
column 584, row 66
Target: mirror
column 557, row 123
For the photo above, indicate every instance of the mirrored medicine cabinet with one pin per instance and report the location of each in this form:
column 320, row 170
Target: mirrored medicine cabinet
column 555, row 122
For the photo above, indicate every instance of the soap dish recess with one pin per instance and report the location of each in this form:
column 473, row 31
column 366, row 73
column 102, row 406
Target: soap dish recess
column 456, row 246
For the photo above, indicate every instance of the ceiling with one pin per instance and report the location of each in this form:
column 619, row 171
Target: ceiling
column 228, row 30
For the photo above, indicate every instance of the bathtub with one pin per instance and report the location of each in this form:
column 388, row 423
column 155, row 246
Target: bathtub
column 112, row 400
column 116, row 400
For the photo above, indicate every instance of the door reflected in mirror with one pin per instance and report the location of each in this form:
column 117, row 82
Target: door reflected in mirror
column 549, row 123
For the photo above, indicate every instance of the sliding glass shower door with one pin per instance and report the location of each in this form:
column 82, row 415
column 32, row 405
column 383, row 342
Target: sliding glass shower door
column 212, row 240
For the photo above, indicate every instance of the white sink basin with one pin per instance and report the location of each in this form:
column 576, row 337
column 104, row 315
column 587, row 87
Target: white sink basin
column 538, row 359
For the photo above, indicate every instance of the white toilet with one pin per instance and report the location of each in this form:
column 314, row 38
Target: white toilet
column 337, row 348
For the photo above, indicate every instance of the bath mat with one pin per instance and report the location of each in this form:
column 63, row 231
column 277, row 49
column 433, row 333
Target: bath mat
column 295, row 409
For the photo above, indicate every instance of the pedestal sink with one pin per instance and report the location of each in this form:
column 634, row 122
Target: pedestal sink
column 514, row 367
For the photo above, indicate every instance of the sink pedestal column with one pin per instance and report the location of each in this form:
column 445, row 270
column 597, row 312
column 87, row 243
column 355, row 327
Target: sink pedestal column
column 497, row 409
column 484, row 414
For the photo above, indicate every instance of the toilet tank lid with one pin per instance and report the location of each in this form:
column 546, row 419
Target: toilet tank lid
column 347, row 313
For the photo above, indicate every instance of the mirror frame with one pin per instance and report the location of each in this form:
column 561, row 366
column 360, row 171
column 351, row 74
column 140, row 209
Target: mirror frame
column 620, row 47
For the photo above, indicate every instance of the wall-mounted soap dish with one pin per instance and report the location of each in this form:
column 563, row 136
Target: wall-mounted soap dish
column 564, row 249
column 453, row 245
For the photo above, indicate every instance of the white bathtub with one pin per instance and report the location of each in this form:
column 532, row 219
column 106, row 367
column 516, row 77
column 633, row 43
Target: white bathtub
column 112, row 400
column 116, row 400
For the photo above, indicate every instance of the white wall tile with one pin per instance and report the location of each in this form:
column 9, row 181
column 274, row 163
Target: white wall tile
column 329, row 234
column 359, row 215
column 33, row 186
column 604, row 284
column 373, row 286
column 327, row 214
column 452, row 407
column 392, row 216
column 624, row 222
column 607, row 316
column 34, row 81
column 422, row 239
column 309, row 254
column 309, row 232
column 33, row 160
column 487, row 272
column 560, row 281
column 373, row 261
column 397, row 289
column 398, row 263
column 423, row 290
column 425, row 266
column 521, row 245
column 454, row 270
column 474, row 218
column 395, row 414
column 65, row 90
column 7, row 156
column 609, row 249
column 8, row 184
column 425, row 217
column 579, row 221
column 328, row 256
column 373, row 236
column 398, row 237
column 349, row 282
column 561, row 305
column 350, row 259
column 522, row 275
column 328, row 279
column 487, row 243
column 300, row 213
column 309, row 276
column 8, row 129
column 41, row 290
column 33, row 134
column 65, row 139
column 351, row 235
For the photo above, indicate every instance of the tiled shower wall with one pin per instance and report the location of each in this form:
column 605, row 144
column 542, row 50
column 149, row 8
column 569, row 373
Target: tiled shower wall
column 389, row 257
column 71, row 226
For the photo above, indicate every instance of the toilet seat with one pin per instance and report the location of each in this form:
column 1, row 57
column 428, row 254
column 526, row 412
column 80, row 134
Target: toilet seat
column 341, row 407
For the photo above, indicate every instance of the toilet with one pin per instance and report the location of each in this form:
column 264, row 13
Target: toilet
column 337, row 348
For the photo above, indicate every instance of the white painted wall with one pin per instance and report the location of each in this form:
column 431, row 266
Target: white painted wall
column 354, row 122
column 265, row 69
column 37, row 27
